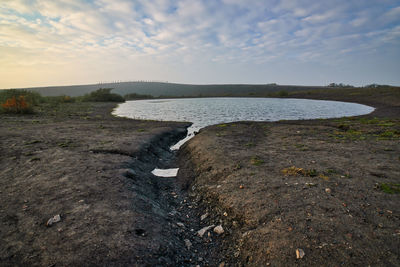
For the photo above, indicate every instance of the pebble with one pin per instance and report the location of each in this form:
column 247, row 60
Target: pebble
column 328, row 190
column 203, row 216
column 219, row 229
column 180, row 224
column 188, row 244
column 203, row 230
column 300, row 253
column 222, row 264
column 54, row 219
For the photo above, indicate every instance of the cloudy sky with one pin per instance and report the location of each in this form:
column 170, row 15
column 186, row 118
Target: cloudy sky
column 309, row 42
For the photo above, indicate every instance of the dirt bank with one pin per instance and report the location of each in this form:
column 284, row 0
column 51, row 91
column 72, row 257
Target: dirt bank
column 329, row 188
column 76, row 161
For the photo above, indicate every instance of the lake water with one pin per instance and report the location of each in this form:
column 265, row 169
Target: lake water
column 203, row 112
column 208, row 111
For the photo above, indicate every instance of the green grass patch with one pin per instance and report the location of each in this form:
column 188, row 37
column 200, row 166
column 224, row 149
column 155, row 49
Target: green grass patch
column 256, row 161
column 250, row 144
column 388, row 135
column 390, row 188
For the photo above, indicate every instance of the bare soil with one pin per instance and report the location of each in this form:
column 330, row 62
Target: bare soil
column 328, row 187
column 92, row 169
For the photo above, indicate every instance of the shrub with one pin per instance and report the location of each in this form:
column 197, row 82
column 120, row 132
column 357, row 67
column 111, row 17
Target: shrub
column 32, row 98
column 17, row 105
column 283, row 93
column 102, row 95
column 134, row 96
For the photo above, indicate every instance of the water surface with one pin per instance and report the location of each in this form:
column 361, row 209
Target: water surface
column 208, row 111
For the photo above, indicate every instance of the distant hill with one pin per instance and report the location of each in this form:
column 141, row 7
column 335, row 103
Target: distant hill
column 158, row 89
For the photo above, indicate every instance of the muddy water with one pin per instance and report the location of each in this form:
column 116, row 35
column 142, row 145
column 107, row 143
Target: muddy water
column 203, row 112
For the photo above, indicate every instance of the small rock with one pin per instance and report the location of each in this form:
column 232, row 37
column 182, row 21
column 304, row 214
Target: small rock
column 219, row 230
column 225, row 214
column 200, row 259
column 203, row 216
column 328, row 190
column 222, row 264
column 53, row 220
column 180, row 224
column 241, row 186
column 203, row 230
column 300, row 253
column 188, row 244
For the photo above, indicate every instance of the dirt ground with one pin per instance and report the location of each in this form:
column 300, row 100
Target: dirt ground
column 92, row 169
column 328, row 188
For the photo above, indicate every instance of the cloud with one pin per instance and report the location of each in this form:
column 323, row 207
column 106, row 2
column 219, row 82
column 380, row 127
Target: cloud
column 187, row 33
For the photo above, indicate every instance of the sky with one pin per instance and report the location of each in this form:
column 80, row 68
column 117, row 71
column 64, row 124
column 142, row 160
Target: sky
column 304, row 42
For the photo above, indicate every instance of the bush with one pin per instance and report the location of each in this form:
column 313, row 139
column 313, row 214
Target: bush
column 283, row 93
column 134, row 96
column 102, row 95
column 17, row 105
column 19, row 101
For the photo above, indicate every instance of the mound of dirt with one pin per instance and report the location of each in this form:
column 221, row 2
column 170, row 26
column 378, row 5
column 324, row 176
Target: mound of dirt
column 307, row 193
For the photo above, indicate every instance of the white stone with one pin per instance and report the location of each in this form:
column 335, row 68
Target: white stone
column 53, row 220
column 203, row 230
column 203, row 216
column 219, row 229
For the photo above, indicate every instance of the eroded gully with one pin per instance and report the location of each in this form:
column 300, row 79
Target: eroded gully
column 178, row 211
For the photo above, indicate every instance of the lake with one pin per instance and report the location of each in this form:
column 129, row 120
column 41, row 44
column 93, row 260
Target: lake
column 208, row 111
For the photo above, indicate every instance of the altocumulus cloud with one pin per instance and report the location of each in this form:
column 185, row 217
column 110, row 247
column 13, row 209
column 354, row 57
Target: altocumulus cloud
column 287, row 41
